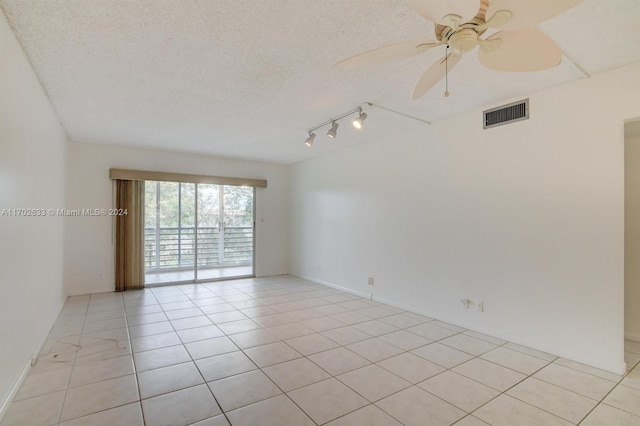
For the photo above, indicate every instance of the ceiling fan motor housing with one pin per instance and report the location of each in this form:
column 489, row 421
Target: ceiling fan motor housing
column 463, row 40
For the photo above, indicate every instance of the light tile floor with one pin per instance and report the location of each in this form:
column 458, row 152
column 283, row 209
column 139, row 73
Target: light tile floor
column 281, row 351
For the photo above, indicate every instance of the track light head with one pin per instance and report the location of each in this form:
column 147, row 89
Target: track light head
column 333, row 131
column 310, row 139
column 357, row 123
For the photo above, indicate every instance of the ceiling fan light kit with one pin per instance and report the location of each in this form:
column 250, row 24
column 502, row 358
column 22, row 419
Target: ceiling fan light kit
column 463, row 41
column 459, row 24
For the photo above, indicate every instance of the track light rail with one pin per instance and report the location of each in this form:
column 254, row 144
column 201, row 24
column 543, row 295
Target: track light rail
column 357, row 123
column 340, row 117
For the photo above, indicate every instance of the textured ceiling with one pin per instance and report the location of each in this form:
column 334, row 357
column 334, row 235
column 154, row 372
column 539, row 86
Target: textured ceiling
column 247, row 78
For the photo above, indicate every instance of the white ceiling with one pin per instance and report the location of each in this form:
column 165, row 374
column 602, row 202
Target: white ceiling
column 247, row 78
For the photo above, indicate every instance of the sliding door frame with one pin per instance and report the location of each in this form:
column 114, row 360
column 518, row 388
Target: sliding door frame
column 221, row 223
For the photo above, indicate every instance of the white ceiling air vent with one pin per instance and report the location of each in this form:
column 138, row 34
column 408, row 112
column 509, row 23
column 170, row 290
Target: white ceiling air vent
column 506, row 114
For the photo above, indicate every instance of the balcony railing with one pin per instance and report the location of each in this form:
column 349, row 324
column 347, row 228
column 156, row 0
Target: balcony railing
column 175, row 248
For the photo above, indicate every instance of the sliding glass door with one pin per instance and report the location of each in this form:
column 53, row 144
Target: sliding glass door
column 197, row 232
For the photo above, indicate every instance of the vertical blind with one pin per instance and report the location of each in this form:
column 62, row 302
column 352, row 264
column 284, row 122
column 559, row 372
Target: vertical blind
column 129, row 242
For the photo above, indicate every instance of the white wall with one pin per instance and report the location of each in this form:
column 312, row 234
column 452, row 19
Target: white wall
column 526, row 217
column 632, row 239
column 89, row 248
column 32, row 166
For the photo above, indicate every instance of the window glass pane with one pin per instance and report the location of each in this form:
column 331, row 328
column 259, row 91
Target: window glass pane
column 238, row 205
column 238, row 230
column 208, row 226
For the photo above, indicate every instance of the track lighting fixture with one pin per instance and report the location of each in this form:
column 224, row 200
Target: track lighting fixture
column 333, row 131
column 310, row 139
column 357, row 123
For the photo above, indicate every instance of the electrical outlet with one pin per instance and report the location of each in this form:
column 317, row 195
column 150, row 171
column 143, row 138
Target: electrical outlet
column 464, row 303
column 480, row 307
column 371, row 281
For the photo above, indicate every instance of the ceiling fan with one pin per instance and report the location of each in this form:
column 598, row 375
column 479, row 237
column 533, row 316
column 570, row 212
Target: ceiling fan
column 460, row 23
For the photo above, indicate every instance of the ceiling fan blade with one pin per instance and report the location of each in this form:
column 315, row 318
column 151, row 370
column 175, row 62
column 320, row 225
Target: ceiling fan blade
column 403, row 49
column 520, row 50
column 436, row 10
column 498, row 20
column 434, row 74
column 529, row 13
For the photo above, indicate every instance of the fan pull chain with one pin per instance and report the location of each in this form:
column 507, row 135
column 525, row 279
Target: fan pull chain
column 446, row 72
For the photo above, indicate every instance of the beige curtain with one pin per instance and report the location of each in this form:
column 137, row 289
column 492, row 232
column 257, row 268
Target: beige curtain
column 129, row 238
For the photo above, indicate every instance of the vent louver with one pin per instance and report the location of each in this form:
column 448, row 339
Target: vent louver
column 506, row 114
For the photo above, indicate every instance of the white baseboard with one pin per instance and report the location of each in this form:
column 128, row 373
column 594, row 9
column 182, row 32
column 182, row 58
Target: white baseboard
column 14, row 390
column 632, row 336
column 23, row 375
column 389, row 302
column 4, row 407
column 336, row 286
column 619, row 369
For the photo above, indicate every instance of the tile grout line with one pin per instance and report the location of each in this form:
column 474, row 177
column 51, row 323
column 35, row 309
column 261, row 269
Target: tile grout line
column 76, row 358
column 135, row 368
column 222, row 411
column 73, row 364
column 619, row 383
